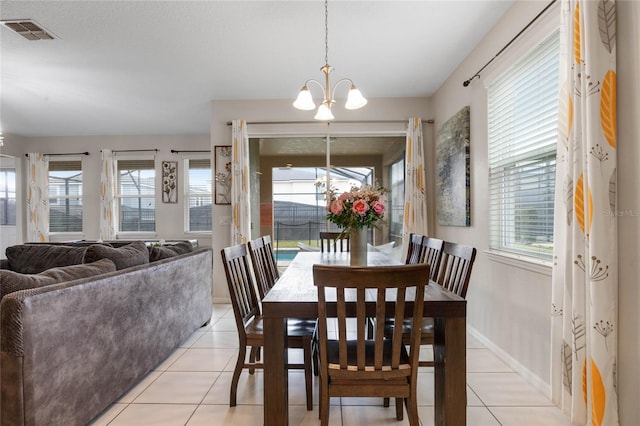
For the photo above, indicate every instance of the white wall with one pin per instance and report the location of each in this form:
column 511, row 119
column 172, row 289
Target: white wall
column 509, row 302
column 400, row 109
column 169, row 217
column 628, row 70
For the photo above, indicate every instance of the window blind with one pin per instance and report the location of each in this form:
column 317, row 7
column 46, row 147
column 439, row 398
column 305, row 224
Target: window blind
column 522, row 134
column 136, row 164
column 65, row 166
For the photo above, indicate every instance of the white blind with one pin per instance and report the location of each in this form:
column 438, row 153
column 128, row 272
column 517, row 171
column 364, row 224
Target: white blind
column 522, row 134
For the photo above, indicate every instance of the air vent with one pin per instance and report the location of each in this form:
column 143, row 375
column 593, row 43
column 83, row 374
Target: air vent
column 28, row 29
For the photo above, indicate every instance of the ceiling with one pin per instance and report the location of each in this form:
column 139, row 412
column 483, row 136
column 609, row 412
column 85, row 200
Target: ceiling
column 152, row 67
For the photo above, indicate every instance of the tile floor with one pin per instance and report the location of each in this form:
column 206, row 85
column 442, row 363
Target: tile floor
column 191, row 387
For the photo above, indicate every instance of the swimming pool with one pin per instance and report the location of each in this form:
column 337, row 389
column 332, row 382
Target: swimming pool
column 285, row 255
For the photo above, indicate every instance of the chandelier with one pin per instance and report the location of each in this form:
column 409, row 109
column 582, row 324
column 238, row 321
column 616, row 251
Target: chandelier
column 304, row 101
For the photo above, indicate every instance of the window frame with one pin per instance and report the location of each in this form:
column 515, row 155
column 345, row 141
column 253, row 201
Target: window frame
column 65, row 235
column 500, row 241
column 5, row 192
column 188, row 195
column 119, row 196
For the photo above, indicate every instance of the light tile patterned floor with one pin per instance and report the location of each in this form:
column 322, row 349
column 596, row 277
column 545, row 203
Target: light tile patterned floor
column 191, row 387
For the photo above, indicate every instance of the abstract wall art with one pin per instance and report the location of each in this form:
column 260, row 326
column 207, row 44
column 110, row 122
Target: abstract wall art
column 453, row 171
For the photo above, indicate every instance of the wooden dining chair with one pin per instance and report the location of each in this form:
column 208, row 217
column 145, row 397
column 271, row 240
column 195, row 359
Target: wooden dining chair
column 414, row 249
column 334, row 242
column 453, row 273
column 248, row 316
column 266, row 274
column 358, row 366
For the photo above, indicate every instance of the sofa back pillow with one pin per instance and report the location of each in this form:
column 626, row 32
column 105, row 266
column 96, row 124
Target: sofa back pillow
column 164, row 252
column 13, row 281
column 35, row 258
column 132, row 254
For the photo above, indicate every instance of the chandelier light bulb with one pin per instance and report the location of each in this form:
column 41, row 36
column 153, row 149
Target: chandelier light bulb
column 324, row 113
column 304, row 101
column 355, row 99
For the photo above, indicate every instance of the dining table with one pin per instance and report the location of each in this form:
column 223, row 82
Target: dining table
column 295, row 296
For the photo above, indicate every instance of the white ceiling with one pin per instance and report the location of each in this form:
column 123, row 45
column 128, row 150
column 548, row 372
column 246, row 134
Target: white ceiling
column 152, row 67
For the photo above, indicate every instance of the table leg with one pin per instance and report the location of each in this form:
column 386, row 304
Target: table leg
column 450, row 371
column 276, row 392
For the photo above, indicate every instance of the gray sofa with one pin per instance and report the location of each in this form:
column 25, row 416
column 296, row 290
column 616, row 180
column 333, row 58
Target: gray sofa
column 70, row 349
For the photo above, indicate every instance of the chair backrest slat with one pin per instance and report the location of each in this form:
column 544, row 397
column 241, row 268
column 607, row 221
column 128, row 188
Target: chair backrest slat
column 455, row 267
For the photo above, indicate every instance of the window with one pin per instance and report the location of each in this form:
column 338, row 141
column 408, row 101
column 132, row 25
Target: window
column 65, row 196
column 522, row 132
column 136, row 195
column 396, row 200
column 199, row 195
column 7, row 196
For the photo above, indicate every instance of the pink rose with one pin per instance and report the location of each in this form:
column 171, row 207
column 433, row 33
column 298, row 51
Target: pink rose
column 344, row 196
column 360, row 207
column 378, row 207
column 337, row 207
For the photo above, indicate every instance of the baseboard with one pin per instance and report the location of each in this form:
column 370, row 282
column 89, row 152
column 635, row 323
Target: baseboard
column 523, row 371
column 221, row 300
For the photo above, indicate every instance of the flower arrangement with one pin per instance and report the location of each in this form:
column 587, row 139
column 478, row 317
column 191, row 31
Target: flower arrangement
column 356, row 209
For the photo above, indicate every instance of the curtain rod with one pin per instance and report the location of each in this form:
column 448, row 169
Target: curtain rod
column 477, row 74
column 70, row 153
column 429, row 121
column 173, row 151
column 135, row 150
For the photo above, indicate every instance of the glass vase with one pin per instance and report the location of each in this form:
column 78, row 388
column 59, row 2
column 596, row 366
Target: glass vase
column 358, row 246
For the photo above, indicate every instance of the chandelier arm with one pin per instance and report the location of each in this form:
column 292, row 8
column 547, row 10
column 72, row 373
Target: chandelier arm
column 333, row 93
column 312, row 80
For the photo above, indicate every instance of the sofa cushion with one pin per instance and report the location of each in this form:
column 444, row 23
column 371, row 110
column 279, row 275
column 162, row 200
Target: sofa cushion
column 35, row 258
column 135, row 253
column 164, row 252
column 13, row 281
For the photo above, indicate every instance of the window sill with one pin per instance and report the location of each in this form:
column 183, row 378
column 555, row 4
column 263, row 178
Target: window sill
column 58, row 237
column 543, row 267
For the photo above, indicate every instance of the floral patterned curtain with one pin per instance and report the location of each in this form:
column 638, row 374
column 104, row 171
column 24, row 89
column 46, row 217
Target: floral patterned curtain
column 240, row 202
column 585, row 278
column 38, row 198
column 108, row 206
column 415, row 204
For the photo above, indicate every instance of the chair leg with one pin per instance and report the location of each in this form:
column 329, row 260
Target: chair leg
column 307, row 372
column 242, row 353
column 386, row 402
column 412, row 411
column 323, row 412
column 255, row 350
column 399, row 408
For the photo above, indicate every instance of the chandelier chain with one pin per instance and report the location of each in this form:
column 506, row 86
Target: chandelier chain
column 326, row 32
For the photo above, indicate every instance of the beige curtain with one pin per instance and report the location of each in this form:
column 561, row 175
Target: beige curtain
column 108, row 200
column 240, row 202
column 38, row 198
column 585, row 278
column 415, row 205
